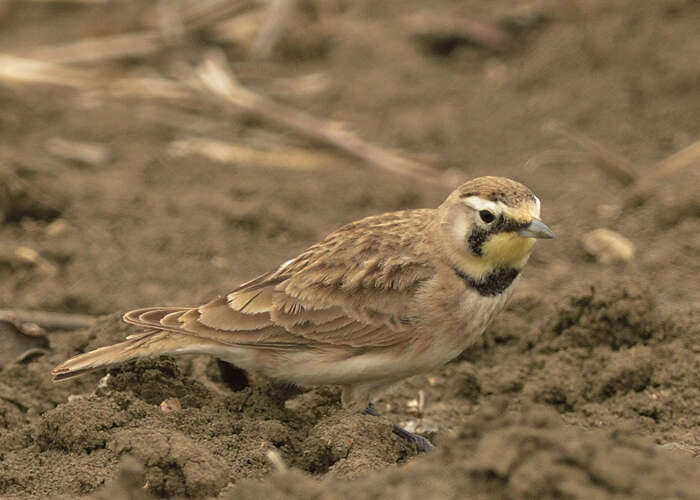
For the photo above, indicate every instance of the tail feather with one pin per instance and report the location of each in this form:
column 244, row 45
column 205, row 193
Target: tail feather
column 136, row 346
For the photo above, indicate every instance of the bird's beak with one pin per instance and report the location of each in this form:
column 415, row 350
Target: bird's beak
column 536, row 229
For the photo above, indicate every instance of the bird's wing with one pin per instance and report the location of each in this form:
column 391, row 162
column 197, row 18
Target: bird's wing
column 354, row 288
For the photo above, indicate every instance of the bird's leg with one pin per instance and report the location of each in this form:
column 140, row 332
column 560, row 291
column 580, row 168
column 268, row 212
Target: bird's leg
column 371, row 410
column 423, row 444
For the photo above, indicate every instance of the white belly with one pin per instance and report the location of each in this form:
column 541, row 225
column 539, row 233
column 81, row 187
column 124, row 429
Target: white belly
column 435, row 343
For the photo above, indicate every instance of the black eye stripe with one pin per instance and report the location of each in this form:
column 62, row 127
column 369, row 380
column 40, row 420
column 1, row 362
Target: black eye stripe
column 505, row 225
column 515, row 226
column 476, row 240
column 480, row 235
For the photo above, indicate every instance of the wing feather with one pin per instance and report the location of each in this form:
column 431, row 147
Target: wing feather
column 220, row 315
column 354, row 288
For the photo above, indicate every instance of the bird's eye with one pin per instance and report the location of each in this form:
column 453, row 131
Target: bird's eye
column 486, row 216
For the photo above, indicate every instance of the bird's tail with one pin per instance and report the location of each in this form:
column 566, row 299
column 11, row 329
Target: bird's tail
column 151, row 343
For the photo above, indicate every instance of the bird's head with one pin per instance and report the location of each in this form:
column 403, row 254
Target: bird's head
column 490, row 224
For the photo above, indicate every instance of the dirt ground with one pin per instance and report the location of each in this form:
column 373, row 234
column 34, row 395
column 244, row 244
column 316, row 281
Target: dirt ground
column 587, row 386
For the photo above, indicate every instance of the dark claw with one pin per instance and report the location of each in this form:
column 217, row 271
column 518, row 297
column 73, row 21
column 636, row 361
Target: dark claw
column 371, row 410
column 423, row 444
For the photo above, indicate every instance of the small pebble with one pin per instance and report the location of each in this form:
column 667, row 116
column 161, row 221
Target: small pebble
column 608, row 247
column 56, row 227
column 170, row 405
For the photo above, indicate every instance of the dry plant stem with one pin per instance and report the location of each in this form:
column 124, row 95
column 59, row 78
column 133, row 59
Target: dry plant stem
column 241, row 154
column 48, row 320
column 276, row 460
column 219, row 80
column 686, row 157
column 16, row 69
column 99, row 48
column 608, row 161
column 277, row 16
column 222, row 83
column 29, row 70
column 31, row 353
column 190, row 17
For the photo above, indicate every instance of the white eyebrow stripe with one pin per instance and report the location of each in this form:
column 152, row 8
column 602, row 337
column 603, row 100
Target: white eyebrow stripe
column 478, row 203
column 538, row 205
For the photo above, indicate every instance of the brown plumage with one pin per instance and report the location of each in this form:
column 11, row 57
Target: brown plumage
column 502, row 190
column 374, row 302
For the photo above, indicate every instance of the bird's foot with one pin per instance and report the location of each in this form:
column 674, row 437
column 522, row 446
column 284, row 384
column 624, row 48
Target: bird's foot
column 371, row 410
column 423, row 444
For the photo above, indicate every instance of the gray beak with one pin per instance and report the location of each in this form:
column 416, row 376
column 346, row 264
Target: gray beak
column 536, row 229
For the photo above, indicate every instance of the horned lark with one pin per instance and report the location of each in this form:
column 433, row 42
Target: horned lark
column 376, row 301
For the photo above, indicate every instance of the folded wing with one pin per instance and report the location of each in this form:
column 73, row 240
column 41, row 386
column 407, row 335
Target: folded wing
column 354, row 289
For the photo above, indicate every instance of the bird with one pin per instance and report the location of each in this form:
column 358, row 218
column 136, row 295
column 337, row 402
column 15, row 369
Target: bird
column 374, row 302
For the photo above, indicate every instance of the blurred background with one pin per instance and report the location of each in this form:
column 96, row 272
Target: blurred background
column 127, row 179
column 162, row 152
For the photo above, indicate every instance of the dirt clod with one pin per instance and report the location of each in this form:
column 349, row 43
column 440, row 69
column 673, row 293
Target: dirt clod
column 618, row 314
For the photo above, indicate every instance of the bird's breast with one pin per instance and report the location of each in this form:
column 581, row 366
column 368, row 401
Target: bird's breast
column 454, row 317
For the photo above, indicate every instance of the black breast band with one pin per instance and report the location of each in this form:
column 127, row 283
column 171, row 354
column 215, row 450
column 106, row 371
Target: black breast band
column 493, row 283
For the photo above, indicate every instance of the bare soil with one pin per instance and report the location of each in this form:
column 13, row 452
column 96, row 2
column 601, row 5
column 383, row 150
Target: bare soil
column 587, row 386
